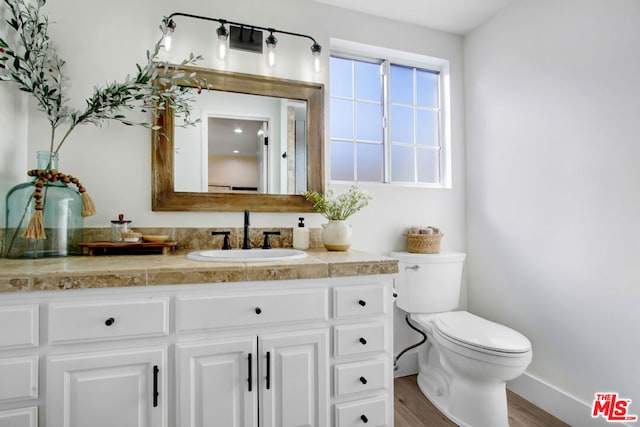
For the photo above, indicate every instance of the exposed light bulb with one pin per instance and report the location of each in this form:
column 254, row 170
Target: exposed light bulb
column 316, row 64
column 168, row 36
column 316, row 50
column 221, row 52
column 223, row 37
column 271, row 57
column 271, row 50
column 168, row 41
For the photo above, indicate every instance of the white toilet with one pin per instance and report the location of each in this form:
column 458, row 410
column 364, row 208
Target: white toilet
column 467, row 359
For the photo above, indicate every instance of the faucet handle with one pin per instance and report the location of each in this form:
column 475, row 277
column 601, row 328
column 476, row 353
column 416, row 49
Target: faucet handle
column 226, row 245
column 267, row 242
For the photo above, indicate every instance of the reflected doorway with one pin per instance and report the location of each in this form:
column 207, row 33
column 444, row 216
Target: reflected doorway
column 237, row 155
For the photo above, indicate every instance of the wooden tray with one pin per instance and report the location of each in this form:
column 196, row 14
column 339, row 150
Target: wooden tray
column 126, row 248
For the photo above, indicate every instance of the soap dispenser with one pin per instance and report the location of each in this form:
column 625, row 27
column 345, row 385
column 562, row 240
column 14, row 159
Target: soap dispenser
column 301, row 236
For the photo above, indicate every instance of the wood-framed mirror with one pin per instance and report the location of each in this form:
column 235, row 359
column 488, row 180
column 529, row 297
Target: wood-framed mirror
column 166, row 196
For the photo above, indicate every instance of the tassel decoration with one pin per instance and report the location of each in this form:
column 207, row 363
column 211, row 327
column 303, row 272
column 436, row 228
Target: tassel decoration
column 35, row 228
column 88, row 206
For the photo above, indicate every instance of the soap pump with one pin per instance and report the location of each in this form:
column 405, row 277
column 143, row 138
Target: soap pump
column 301, row 236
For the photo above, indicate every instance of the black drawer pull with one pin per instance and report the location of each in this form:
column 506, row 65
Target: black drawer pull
column 362, row 302
column 363, row 380
column 110, row 321
column 364, row 418
column 363, row 341
column 258, row 310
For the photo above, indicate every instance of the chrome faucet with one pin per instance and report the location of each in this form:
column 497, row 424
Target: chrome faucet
column 246, row 243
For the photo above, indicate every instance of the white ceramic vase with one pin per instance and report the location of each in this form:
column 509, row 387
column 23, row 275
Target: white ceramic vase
column 336, row 235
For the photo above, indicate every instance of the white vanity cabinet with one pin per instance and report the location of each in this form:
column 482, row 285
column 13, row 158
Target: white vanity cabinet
column 280, row 378
column 277, row 353
column 107, row 388
column 19, row 373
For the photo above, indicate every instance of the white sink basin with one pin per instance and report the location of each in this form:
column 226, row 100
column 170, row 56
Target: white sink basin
column 248, row 255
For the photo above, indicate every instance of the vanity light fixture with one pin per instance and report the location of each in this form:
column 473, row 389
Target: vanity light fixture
column 271, row 49
column 223, row 37
column 168, row 37
column 240, row 36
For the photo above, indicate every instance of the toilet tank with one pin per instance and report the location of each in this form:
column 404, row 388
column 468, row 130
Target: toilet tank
column 428, row 283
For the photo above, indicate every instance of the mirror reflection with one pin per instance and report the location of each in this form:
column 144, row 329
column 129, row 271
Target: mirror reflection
column 243, row 144
column 291, row 164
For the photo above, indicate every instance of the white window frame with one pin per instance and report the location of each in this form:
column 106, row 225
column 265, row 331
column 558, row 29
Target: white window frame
column 360, row 51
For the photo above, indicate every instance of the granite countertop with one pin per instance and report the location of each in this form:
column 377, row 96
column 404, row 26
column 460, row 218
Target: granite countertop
column 80, row 272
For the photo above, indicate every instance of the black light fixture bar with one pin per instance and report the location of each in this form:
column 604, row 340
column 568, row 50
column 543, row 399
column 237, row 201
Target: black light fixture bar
column 168, row 21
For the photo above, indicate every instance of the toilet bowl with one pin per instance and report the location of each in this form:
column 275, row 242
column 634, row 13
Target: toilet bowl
column 464, row 368
column 466, row 361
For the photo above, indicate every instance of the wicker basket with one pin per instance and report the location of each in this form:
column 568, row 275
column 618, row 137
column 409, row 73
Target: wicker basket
column 423, row 243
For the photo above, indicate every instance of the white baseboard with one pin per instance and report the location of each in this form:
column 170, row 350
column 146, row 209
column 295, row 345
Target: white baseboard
column 558, row 403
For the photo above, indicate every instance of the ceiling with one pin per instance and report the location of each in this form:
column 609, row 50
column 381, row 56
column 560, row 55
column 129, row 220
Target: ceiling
column 454, row 16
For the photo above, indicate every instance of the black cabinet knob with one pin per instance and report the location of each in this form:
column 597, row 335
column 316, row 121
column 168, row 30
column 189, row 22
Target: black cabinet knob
column 363, row 380
column 363, row 341
column 364, row 418
column 258, row 310
column 362, row 302
column 110, row 321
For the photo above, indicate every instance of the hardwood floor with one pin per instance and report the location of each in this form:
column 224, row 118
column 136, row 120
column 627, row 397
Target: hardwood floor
column 412, row 409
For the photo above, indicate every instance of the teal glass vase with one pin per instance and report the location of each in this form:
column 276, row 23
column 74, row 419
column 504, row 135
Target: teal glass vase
column 62, row 217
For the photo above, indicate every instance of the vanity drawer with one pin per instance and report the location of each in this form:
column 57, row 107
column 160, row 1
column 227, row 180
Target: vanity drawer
column 20, row 326
column 371, row 412
column 360, row 377
column 19, row 378
column 359, row 300
column 196, row 313
column 359, row 339
column 108, row 320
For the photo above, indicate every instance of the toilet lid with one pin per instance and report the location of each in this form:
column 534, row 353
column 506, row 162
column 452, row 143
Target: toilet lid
column 475, row 331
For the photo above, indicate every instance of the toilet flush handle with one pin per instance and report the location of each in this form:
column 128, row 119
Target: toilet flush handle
column 413, row 267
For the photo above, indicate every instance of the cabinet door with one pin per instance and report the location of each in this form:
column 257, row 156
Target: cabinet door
column 22, row 417
column 294, row 379
column 106, row 389
column 217, row 383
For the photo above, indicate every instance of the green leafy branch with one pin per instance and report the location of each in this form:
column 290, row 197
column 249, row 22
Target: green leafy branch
column 33, row 64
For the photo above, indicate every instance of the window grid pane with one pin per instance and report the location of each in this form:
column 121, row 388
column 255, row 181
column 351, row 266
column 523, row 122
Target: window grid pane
column 357, row 109
column 358, row 126
column 419, row 100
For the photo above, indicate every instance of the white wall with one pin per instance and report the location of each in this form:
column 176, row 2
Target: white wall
column 101, row 41
column 13, row 133
column 553, row 105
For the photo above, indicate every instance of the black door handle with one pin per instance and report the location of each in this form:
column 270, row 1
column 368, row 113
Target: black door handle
column 363, row 380
column 268, row 370
column 250, row 366
column 110, row 321
column 363, row 341
column 364, row 418
column 362, row 302
column 156, row 370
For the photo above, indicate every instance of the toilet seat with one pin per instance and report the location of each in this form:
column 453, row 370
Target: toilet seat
column 483, row 335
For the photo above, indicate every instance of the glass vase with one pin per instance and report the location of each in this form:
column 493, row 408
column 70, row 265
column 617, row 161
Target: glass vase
column 62, row 217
